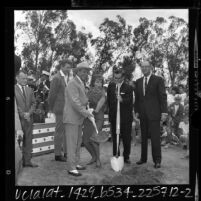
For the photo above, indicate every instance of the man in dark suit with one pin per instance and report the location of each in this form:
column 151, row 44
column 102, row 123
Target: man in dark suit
column 151, row 106
column 56, row 101
column 126, row 112
column 26, row 105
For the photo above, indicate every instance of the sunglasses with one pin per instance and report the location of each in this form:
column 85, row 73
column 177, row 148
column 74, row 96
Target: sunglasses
column 117, row 78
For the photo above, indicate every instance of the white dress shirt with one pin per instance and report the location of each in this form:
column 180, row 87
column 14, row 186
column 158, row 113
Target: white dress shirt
column 176, row 107
column 148, row 77
column 65, row 77
column 118, row 86
column 20, row 86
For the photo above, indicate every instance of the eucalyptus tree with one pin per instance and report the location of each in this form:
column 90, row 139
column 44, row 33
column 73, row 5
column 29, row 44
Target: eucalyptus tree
column 165, row 43
column 112, row 44
column 50, row 37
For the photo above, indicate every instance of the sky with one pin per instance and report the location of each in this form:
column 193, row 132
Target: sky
column 91, row 19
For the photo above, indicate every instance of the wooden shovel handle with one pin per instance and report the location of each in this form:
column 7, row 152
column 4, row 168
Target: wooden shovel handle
column 94, row 123
column 118, row 120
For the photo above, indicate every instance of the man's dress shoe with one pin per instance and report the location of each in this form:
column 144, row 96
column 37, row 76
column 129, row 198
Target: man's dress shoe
column 60, row 158
column 140, row 162
column 74, row 173
column 127, row 161
column 80, row 167
column 157, row 165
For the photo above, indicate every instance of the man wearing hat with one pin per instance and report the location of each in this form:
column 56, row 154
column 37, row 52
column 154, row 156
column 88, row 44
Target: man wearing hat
column 151, row 106
column 56, row 101
column 75, row 111
column 176, row 113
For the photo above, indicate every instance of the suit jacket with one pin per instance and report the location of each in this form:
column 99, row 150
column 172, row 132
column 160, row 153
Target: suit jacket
column 17, row 119
column 56, row 97
column 126, row 106
column 154, row 102
column 177, row 117
column 75, row 102
column 25, row 105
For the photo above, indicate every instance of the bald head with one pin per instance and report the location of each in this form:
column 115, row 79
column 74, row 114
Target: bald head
column 146, row 68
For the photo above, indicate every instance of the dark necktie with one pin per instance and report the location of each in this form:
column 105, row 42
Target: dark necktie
column 23, row 91
column 145, row 86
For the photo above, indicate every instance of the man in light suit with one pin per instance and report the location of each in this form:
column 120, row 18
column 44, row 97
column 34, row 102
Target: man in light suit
column 151, row 106
column 56, row 100
column 75, row 111
column 26, row 105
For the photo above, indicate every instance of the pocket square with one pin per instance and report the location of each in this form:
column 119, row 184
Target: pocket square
column 122, row 93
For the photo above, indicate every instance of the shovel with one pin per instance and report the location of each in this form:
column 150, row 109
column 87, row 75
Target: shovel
column 98, row 137
column 117, row 162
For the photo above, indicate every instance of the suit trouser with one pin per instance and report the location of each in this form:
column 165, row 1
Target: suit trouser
column 73, row 140
column 150, row 128
column 27, row 128
column 18, row 159
column 59, row 136
column 125, row 135
column 176, row 128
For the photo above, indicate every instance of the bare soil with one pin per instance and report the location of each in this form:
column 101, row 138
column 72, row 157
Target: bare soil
column 174, row 169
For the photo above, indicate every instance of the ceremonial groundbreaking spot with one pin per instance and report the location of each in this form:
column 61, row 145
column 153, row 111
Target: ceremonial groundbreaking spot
column 174, row 170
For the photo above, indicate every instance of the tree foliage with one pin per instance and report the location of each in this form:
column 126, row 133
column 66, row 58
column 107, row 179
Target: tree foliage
column 51, row 36
column 165, row 42
column 113, row 43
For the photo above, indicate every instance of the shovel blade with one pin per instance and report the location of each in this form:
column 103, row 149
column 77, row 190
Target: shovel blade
column 117, row 163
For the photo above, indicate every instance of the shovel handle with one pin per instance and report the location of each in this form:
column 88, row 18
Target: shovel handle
column 118, row 120
column 94, row 123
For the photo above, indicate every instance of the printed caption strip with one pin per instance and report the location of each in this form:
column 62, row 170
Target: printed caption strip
column 43, row 137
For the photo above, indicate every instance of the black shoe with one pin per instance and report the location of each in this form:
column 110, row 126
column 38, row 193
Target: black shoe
column 30, row 165
column 60, row 158
column 76, row 174
column 79, row 167
column 65, row 156
column 157, row 165
column 127, row 161
column 140, row 162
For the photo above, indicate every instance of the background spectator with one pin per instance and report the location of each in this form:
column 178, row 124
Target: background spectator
column 184, row 133
column 182, row 93
column 171, row 94
column 176, row 111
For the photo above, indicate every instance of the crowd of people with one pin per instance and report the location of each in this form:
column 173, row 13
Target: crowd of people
column 147, row 109
column 176, row 129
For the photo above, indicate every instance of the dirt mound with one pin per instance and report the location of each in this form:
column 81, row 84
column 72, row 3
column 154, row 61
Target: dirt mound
column 136, row 176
